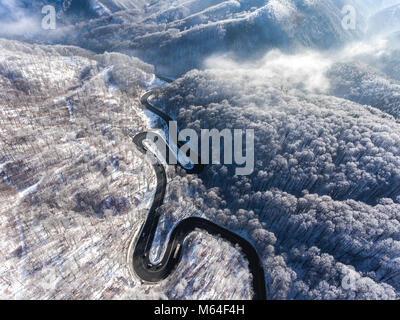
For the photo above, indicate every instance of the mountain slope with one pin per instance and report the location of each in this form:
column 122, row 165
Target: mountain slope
column 165, row 31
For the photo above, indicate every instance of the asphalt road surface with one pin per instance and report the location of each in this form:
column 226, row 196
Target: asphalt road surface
column 141, row 261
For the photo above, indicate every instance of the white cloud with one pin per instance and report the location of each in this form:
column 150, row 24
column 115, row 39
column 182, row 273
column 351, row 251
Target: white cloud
column 303, row 71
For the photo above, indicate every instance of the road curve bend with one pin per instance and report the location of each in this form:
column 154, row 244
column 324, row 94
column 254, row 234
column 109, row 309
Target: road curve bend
column 142, row 265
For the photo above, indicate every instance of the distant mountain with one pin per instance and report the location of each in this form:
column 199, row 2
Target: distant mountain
column 164, row 32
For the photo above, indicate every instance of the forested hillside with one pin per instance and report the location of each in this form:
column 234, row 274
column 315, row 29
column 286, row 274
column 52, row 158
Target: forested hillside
column 324, row 198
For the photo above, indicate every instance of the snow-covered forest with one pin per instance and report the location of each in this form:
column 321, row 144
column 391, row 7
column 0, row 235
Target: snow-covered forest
column 322, row 207
column 325, row 189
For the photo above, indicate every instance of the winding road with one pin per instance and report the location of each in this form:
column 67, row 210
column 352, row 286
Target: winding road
column 142, row 265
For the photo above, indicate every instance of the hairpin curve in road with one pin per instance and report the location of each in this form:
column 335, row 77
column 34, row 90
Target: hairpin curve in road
column 142, row 265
